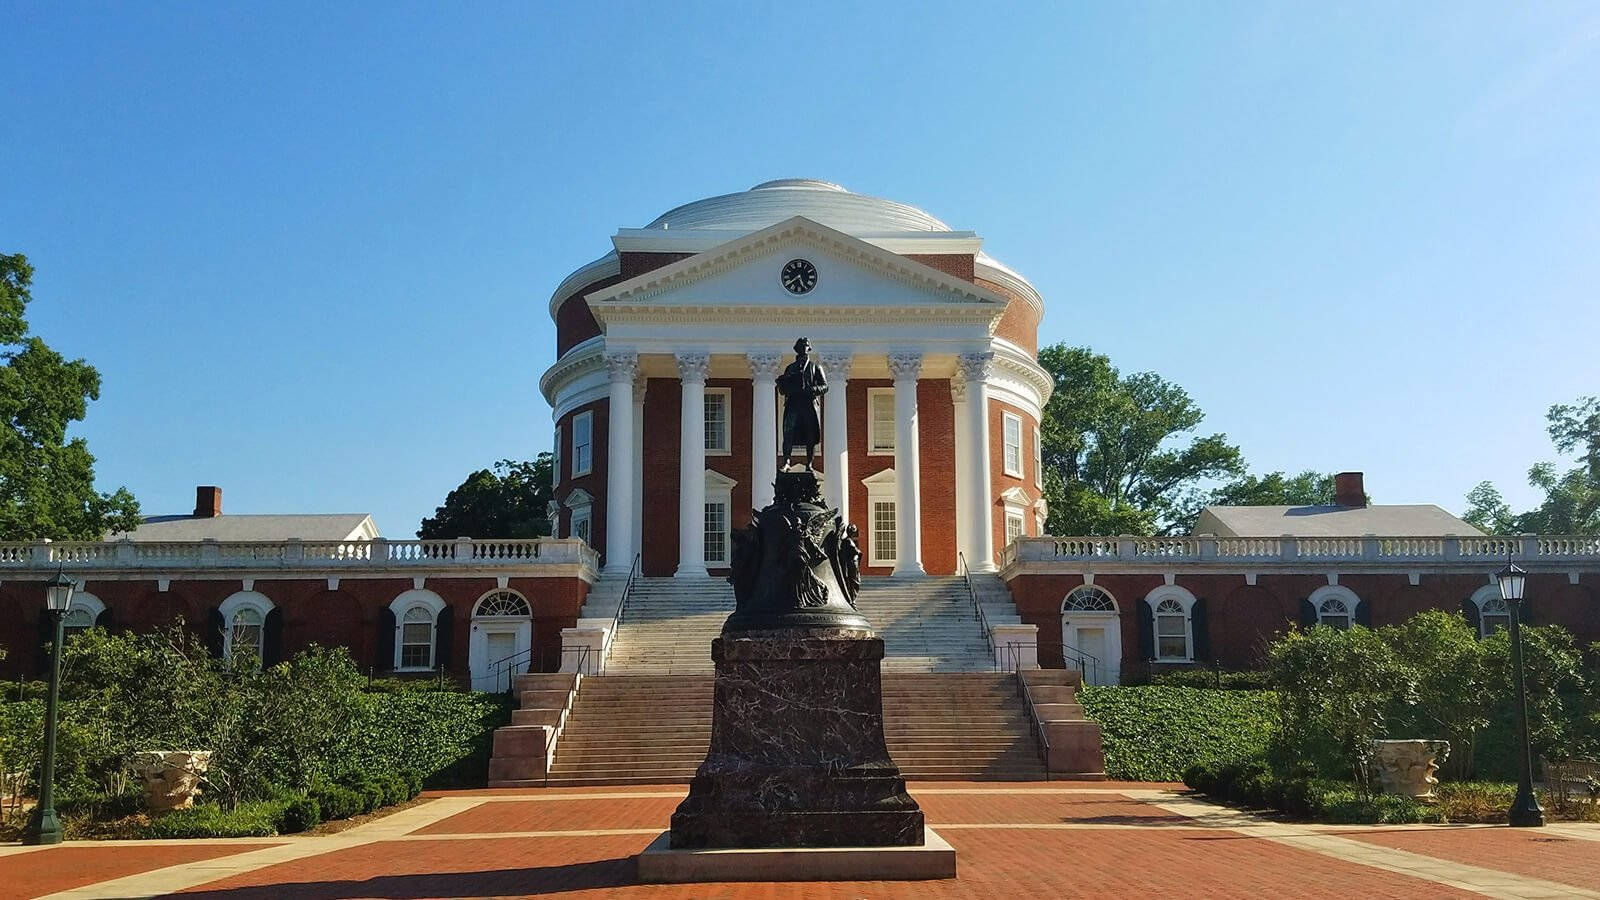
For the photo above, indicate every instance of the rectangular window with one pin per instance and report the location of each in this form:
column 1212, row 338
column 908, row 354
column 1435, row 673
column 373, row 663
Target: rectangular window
column 880, row 421
column 717, row 533
column 416, row 645
column 883, row 533
column 1038, row 459
column 582, row 443
column 1013, row 527
column 555, row 460
column 1172, row 637
column 580, row 524
column 719, row 404
column 1013, row 444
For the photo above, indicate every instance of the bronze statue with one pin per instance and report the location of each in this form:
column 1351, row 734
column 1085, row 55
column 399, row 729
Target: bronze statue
column 849, row 563
column 801, row 384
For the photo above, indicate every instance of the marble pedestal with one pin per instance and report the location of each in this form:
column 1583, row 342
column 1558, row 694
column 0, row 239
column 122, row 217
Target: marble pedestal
column 797, row 756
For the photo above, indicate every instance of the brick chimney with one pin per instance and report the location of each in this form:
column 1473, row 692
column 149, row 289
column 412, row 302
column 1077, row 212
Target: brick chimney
column 208, row 501
column 1348, row 490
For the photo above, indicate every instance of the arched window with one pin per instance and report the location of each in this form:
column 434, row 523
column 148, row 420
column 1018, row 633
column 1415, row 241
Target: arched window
column 1493, row 612
column 1088, row 598
column 1171, row 607
column 1335, row 606
column 502, row 603
column 82, row 614
column 416, row 638
column 244, row 619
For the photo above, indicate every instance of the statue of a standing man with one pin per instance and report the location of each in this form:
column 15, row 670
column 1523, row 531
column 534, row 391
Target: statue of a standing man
column 801, row 384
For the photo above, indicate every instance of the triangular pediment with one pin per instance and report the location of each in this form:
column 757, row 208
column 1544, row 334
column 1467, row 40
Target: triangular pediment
column 743, row 276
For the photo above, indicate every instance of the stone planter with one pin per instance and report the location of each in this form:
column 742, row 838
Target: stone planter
column 171, row 777
column 1407, row 767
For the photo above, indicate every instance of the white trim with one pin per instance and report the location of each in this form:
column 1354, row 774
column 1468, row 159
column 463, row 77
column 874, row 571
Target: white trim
column 555, row 462
column 478, row 603
column 1006, row 420
column 1488, row 594
column 1038, row 460
column 1073, row 621
column 405, row 602
column 719, row 489
column 586, row 419
column 881, row 490
column 873, row 448
column 87, row 601
column 1185, row 600
column 248, row 599
column 584, row 516
column 726, row 394
column 1334, row 592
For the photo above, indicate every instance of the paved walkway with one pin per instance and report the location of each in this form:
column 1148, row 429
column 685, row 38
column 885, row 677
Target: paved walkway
column 1035, row 840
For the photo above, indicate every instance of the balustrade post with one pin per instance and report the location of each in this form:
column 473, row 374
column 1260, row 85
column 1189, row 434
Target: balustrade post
column 126, row 553
column 1452, row 548
column 1127, row 549
column 1369, row 547
column 379, row 551
column 1208, row 547
column 293, row 550
column 1530, row 546
column 41, row 552
column 463, row 550
column 1288, row 548
column 210, row 553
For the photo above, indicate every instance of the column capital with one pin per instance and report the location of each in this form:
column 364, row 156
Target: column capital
column 764, row 365
column 958, row 389
column 622, row 365
column 905, row 365
column 977, row 366
column 693, row 366
column 641, row 382
column 836, row 365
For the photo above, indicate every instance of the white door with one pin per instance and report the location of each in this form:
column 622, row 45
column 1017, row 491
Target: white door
column 493, row 640
column 1093, row 645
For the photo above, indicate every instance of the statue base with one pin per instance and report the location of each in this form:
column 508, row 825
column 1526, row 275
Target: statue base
column 797, row 756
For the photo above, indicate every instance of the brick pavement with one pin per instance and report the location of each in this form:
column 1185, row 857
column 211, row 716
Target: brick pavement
column 1024, row 841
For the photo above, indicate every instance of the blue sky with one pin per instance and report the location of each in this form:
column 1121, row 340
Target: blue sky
column 310, row 246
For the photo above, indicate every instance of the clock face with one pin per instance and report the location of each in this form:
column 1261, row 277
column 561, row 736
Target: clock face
column 798, row 276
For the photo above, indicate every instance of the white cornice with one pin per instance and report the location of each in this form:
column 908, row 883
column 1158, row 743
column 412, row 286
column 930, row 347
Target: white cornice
column 797, row 229
column 583, row 359
column 990, row 269
column 698, row 240
column 659, row 314
column 1016, row 362
column 604, row 267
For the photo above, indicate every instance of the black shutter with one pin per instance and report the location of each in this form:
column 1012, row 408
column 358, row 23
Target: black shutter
column 1470, row 610
column 383, row 650
column 104, row 620
column 1363, row 614
column 213, row 635
column 1147, row 631
column 444, row 631
column 1200, row 626
column 272, row 638
column 1308, row 613
column 1527, row 612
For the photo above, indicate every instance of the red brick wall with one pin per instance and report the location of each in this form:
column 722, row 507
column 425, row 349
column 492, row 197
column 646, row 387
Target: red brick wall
column 662, row 402
column 1019, row 324
column 575, row 322
column 595, row 481
column 312, row 614
column 1242, row 619
column 738, row 464
column 936, row 428
column 863, row 465
column 1000, row 481
column 958, row 264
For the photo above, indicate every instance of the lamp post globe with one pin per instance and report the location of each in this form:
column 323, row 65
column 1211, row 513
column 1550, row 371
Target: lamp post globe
column 1525, row 811
column 43, row 826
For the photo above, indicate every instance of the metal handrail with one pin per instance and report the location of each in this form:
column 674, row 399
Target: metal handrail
column 972, row 593
column 1082, row 657
column 503, row 665
column 627, row 588
column 1038, row 726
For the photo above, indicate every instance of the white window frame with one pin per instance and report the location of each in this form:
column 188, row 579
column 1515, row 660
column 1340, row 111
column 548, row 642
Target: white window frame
column 1481, row 598
column 1008, row 449
column 1038, row 460
column 1334, row 592
column 726, row 395
column 433, row 604
column 881, row 490
column 251, row 600
column 580, row 511
column 555, row 460
column 583, row 450
column 1016, row 504
column 719, row 490
column 874, row 448
column 1185, row 601
column 1020, row 529
column 87, row 604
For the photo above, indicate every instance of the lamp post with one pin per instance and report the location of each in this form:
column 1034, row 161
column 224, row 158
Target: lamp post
column 43, row 826
column 1525, row 811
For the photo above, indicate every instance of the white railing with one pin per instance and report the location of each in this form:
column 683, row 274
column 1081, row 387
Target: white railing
column 292, row 554
column 1369, row 549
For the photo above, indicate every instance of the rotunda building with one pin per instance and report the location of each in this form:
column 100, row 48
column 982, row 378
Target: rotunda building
column 668, row 347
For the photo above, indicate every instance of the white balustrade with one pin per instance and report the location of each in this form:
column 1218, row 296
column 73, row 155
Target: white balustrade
column 1248, row 548
column 170, row 556
column 1301, row 551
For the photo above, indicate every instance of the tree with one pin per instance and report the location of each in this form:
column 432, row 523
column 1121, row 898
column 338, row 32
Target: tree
column 1308, row 488
column 1571, row 502
column 46, row 481
column 1117, row 458
column 509, row 501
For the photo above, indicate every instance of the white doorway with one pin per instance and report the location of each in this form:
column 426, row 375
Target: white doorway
column 502, row 640
column 1091, row 635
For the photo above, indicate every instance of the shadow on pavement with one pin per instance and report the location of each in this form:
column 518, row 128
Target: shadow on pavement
column 597, row 875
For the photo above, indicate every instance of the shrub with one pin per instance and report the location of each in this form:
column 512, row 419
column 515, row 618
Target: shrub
column 394, row 789
column 1154, row 732
column 1214, row 679
column 413, row 783
column 367, row 789
column 208, row 820
column 337, row 801
column 1201, row 776
column 299, row 814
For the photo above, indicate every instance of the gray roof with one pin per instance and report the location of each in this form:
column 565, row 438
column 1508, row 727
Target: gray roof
column 1392, row 520
column 309, row 527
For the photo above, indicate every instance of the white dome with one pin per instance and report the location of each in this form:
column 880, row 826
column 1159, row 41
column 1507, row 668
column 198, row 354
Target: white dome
column 770, row 202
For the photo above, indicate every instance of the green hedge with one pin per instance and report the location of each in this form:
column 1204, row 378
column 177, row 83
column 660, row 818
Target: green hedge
column 441, row 736
column 1154, row 732
column 1250, row 783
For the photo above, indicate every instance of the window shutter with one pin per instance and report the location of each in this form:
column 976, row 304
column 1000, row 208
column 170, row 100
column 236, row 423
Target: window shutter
column 272, row 638
column 104, row 620
column 1147, row 631
column 213, row 633
column 1308, row 613
column 1199, row 624
column 1363, row 614
column 1526, row 617
column 444, row 629
column 383, row 650
column 1470, row 610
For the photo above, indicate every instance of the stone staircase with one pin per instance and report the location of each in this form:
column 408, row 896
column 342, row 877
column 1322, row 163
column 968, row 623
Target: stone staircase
column 667, row 626
column 927, row 624
column 654, row 729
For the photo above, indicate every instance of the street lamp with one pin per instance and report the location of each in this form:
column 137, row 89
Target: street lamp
column 1525, row 811
column 43, row 826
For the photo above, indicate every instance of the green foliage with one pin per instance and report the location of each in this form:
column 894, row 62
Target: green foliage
column 337, row 801
column 299, row 814
column 508, row 502
column 1116, row 456
column 444, row 737
column 46, row 481
column 1249, row 782
column 209, row 820
column 1212, row 678
column 1571, row 502
column 1152, row 733
column 1456, row 693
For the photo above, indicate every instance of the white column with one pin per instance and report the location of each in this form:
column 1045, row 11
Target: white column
column 836, row 433
column 640, row 384
column 619, row 462
column 958, row 399
column 764, row 368
column 975, row 369
column 692, row 466
column 907, row 511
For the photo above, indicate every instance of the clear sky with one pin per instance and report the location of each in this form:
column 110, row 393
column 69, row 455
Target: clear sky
column 310, row 246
